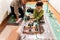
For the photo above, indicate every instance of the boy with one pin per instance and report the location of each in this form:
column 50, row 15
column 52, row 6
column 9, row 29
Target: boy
column 38, row 12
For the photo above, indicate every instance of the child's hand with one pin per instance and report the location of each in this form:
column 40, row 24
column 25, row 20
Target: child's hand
column 34, row 19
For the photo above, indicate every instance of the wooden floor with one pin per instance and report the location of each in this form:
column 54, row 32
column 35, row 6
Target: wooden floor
column 3, row 24
column 8, row 30
column 14, row 36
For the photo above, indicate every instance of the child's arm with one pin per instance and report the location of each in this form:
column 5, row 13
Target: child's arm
column 34, row 14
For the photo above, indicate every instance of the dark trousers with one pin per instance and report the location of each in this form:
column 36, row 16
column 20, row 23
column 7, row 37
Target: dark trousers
column 12, row 12
column 21, row 12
